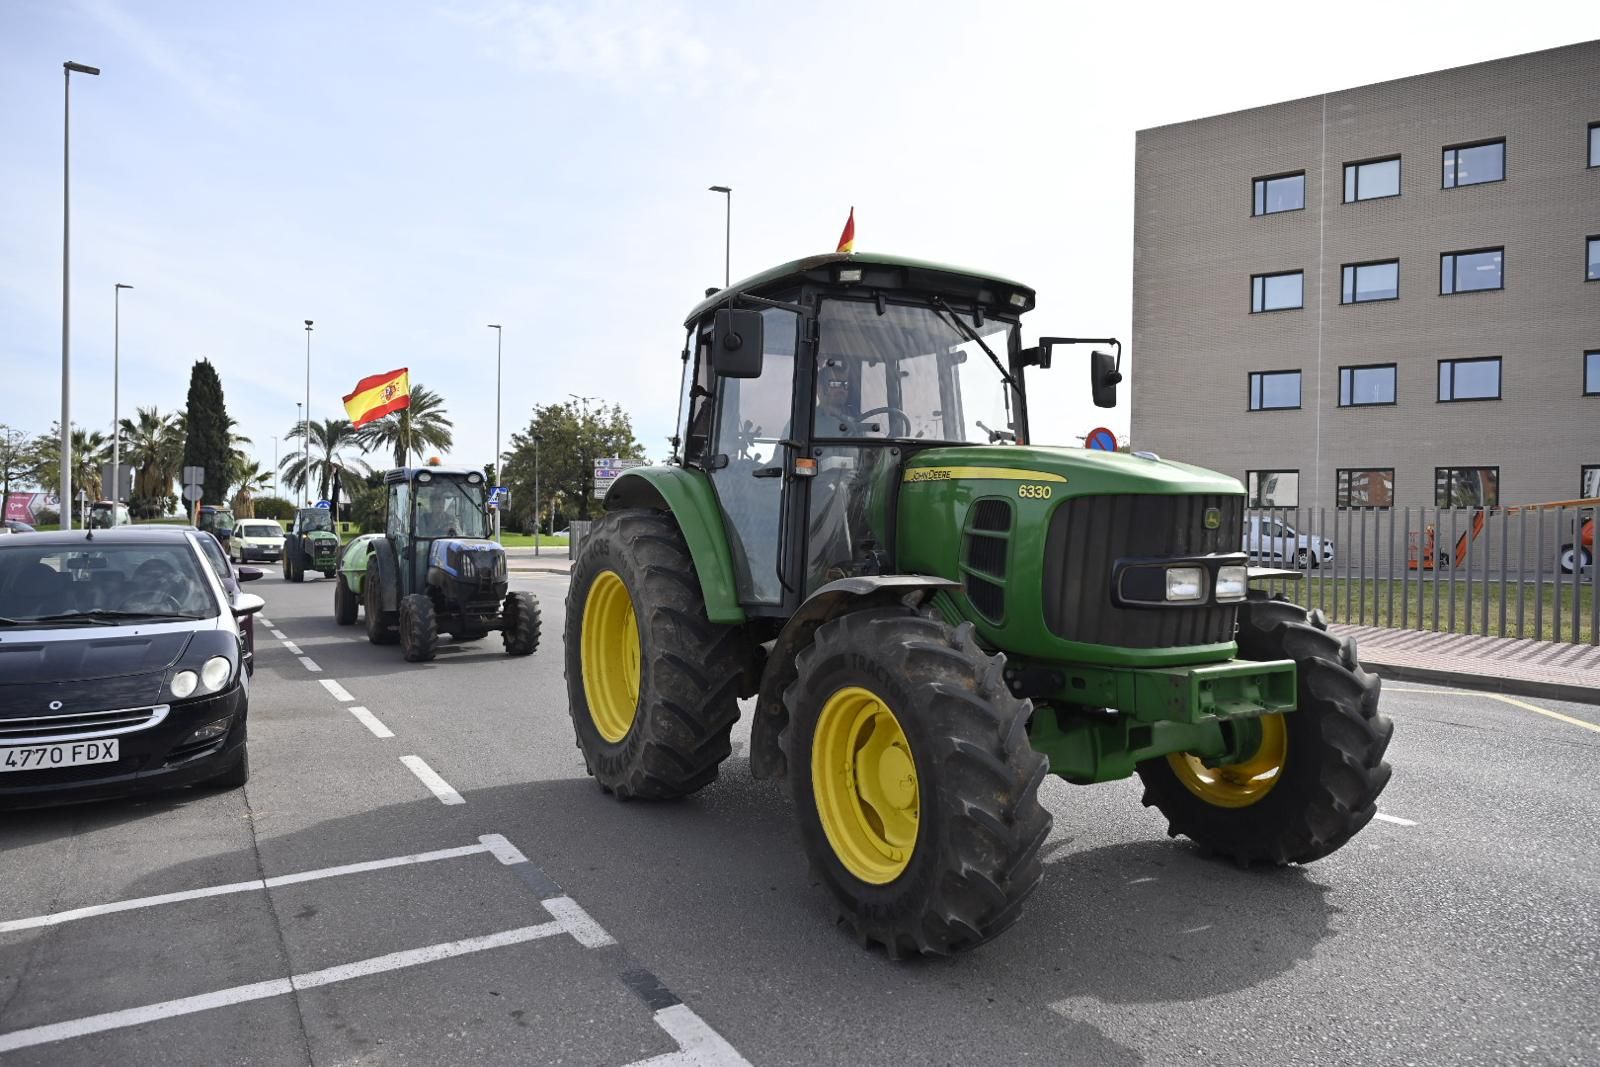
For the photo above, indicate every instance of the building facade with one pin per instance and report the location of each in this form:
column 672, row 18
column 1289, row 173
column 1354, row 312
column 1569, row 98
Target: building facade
column 1383, row 296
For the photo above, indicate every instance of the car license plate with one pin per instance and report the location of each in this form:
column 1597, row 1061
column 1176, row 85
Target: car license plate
column 49, row 757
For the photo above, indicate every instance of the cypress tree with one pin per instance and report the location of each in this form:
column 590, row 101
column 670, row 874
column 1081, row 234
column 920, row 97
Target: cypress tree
column 206, row 422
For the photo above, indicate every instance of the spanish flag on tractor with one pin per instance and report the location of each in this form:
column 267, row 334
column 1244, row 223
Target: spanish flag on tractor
column 847, row 239
column 377, row 396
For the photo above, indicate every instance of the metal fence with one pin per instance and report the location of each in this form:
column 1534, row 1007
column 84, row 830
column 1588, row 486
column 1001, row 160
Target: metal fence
column 1507, row 572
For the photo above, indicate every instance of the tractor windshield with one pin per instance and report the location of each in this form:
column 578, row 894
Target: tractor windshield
column 316, row 519
column 907, row 372
column 450, row 508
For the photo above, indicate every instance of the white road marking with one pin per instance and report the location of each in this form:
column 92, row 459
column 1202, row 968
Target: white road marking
column 57, row 918
column 116, row 1020
column 503, row 850
column 310, row 664
column 1391, row 818
column 430, row 778
column 263, row 620
column 291, row 646
column 280, row 635
column 370, row 721
column 577, row 922
column 339, row 692
column 1513, row 701
column 698, row 1044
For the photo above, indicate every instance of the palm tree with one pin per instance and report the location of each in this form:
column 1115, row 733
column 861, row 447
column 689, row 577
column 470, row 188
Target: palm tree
column 419, row 428
column 90, row 448
column 250, row 481
column 329, row 439
column 154, row 446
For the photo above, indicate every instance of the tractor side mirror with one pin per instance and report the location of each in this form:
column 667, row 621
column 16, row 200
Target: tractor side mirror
column 1103, row 378
column 736, row 343
column 1037, row 356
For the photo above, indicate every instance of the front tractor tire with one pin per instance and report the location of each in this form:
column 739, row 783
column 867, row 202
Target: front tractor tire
column 297, row 569
column 520, row 624
column 1313, row 781
column 915, row 786
column 419, row 628
column 345, row 604
column 652, row 683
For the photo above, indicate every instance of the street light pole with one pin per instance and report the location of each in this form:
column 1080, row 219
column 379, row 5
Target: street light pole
column 727, row 234
column 116, row 388
column 536, row 536
column 300, row 421
column 275, row 468
column 306, row 425
column 67, row 70
column 499, row 334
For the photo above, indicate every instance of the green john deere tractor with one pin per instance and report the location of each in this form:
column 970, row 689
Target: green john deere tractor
column 932, row 614
column 310, row 545
column 434, row 570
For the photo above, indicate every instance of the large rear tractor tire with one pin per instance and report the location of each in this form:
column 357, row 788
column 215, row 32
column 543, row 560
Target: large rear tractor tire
column 297, row 567
column 379, row 629
column 914, row 783
column 652, row 683
column 419, row 629
column 345, row 604
column 1313, row 782
column 520, row 625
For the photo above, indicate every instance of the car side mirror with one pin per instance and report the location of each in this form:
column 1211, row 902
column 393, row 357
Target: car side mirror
column 246, row 604
column 249, row 574
column 1103, row 378
column 736, row 343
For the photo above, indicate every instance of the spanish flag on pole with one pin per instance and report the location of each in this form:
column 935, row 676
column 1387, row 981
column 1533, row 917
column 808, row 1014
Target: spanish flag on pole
column 847, row 239
column 377, row 396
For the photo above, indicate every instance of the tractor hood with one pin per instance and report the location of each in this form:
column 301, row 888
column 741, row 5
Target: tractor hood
column 1080, row 471
column 467, row 557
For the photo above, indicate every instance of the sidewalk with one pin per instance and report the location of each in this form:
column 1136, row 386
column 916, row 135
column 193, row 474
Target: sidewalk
column 552, row 559
column 1501, row 664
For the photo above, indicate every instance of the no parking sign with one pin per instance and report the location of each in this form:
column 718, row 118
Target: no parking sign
column 1101, row 440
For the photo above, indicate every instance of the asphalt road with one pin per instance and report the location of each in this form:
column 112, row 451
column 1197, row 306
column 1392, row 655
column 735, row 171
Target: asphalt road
column 1460, row 930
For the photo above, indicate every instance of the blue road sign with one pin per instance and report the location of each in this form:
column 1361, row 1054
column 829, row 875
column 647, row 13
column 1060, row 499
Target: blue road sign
column 1101, row 440
column 324, row 505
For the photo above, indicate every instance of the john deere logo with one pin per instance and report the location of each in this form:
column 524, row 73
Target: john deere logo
column 1213, row 518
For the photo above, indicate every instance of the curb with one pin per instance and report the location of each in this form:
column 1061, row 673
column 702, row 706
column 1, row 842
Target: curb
column 1494, row 683
column 540, row 570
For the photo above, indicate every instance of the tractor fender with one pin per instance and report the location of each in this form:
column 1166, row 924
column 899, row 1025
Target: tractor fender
column 827, row 603
column 688, row 495
column 383, row 560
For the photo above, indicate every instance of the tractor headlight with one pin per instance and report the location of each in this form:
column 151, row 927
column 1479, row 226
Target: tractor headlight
column 1231, row 583
column 1186, row 583
column 469, row 566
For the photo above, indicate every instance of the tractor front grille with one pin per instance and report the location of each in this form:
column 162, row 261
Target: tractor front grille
column 1089, row 534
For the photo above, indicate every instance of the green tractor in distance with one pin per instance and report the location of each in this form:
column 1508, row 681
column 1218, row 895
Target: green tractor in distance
column 310, row 545
column 933, row 614
column 434, row 570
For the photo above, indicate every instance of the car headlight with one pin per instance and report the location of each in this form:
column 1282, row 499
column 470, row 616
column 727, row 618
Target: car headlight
column 1186, row 583
column 216, row 671
column 183, row 683
column 1232, row 582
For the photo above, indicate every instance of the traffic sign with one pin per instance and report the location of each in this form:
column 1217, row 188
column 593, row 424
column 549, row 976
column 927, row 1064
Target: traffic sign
column 324, row 505
column 499, row 497
column 1101, row 440
column 191, row 493
column 606, row 470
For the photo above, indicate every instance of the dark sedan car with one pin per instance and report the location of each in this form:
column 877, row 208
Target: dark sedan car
column 121, row 666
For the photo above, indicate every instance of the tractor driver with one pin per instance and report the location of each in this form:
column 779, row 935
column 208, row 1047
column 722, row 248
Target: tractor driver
column 834, row 415
column 438, row 518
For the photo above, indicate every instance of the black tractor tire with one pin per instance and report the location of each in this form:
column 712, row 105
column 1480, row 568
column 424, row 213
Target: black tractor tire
column 521, row 623
column 689, row 667
column 1333, row 768
column 980, row 825
column 419, row 628
column 345, row 605
column 297, row 567
column 379, row 629
column 329, row 574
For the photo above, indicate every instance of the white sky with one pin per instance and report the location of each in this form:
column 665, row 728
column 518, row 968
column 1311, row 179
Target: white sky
column 404, row 173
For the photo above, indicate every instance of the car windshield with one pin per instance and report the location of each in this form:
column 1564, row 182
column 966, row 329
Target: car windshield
column 908, row 372
column 317, row 519
column 447, row 507
column 248, row 528
column 92, row 582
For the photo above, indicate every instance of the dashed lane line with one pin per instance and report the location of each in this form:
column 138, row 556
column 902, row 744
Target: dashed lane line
column 290, row 645
column 263, row 620
column 310, row 664
column 1391, row 818
column 1513, row 701
column 430, row 778
column 280, row 635
column 339, row 692
column 371, row 721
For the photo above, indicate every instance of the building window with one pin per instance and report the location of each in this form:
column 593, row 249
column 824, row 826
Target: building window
column 1371, row 281
column 1594, row 144
column 1365, row 488
column 1277, row 292
column 1466, row 487
column 1286, row 192
column 1469, row 379
column 1362, row 386
column 1372, row 180
column 1589, row 481
column 1475, row 164
column 1593, row 274
column 1470, row 272
column 1274, row 390
column 1591, row 372
column 1273, row 489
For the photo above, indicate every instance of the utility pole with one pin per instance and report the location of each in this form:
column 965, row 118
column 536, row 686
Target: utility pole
column 536, row 535
column 498, row 336
column 306, row 426
column 65, row 507
column 116, row 385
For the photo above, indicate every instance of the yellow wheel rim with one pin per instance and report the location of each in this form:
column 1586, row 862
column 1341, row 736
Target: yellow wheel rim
column 610, row 648
column 864, row 780
column 1237, row 785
